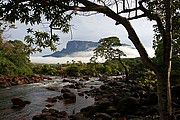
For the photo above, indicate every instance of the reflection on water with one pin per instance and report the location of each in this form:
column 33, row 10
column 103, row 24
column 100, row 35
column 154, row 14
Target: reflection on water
column 37, row 94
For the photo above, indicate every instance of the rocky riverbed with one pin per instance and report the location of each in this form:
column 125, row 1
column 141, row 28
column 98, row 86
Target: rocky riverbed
column 116, row 100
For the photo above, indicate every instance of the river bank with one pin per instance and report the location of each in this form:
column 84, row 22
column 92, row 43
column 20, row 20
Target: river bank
column 8, row 81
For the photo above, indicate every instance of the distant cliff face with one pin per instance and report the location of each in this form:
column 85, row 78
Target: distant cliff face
column 74, row 46
column 80, row 45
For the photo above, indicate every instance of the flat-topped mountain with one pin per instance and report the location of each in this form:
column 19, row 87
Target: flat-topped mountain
column 74, row 46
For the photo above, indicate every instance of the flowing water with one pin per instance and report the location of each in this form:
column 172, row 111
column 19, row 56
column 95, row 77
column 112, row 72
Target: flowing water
column 37, row 94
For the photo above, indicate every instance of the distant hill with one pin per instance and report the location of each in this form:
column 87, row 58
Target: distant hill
column 76, row 46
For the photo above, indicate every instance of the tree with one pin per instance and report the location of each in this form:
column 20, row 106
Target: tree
column 60, row 12
column 14, row 54
column 108, row 48
column 158, row 40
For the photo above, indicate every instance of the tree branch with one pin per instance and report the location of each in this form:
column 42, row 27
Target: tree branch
column 125, row 22
column 152, row 16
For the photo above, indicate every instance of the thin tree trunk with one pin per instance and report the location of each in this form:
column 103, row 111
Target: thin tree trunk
column 126, row 70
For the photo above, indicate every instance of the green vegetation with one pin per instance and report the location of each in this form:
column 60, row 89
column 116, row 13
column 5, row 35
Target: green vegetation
column 108, row 49
column 14, row 56
column 110, row 67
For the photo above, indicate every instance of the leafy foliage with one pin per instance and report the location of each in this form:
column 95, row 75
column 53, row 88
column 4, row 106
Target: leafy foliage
column 148, row 82
column 36, row 12
column 108, row 48
column 14, row 57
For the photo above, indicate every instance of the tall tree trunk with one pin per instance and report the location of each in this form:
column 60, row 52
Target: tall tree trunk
column 164, row 91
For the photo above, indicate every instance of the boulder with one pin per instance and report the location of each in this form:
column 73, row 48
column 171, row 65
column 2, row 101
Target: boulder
column 103, row 116
column 69, row 95
column 86, row 78
column 53, row 88
column 65, row 90
column 18, row 102
column 79, row 116
column 55, row 113
column 81, row 93
column 66, row 80
column 52, row 100
column 27, row 102
column 49, row 105
column 128, row 105
column 71, row 86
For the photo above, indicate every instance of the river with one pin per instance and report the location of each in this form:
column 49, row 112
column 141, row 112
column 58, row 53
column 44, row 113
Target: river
column 37, row 94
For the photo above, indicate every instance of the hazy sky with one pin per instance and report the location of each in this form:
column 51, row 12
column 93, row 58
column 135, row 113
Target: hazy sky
column 92, row 28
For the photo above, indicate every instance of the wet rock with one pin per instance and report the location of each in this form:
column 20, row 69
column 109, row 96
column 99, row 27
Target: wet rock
column 128, row 105
column 52, row 100
column 103, row 116
column 49, row 105
column 65, row 90
column 86, row 78
column 55, row 113
column 69, row 101
column 66, row 80
column 46, row 77
column 71, row 86
column 81, row 80
column 7, row 81
column 53, row 88
column 18, row 102
column 4, row 84
column 27, row 102
column 60, row 97
column 78, row 86
column 103, row 87
column 69, row 95
column 81, row 93
column 112, row 83
column 79, row 116
column 111, row 110
column 104, row 104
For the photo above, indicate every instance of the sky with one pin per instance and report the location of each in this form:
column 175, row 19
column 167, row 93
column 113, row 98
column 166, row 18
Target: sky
column 90, row 28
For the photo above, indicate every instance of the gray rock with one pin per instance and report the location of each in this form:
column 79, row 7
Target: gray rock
column 18, row 102
column 128, row 105
column 65, row 90
column 69, row 95
column 103, row 116
column 79, row 116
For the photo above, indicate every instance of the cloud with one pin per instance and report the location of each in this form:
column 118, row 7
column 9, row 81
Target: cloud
column 84, row 56
column 91, row 28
